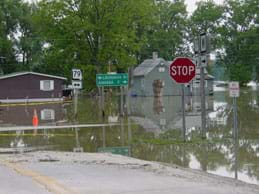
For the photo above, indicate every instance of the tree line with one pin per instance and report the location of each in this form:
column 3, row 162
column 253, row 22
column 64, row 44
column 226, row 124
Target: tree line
column 53, row 36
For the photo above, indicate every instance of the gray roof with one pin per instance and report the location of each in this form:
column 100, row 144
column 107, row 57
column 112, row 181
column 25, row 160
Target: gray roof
column 147, row 66
column 33, row 73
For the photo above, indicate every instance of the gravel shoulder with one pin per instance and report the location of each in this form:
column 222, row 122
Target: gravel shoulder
column 66, row 172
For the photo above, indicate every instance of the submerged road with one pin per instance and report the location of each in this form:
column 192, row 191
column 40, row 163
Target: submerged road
column 26, row 128
column 83, row 173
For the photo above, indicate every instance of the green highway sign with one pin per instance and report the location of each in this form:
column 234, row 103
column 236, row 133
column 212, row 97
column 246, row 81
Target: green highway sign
column 118, row 79
column 125, row 151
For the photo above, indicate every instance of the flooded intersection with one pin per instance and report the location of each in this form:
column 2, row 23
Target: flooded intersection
column 150, row 130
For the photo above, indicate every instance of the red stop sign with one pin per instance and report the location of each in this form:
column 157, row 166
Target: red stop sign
column 182, row 70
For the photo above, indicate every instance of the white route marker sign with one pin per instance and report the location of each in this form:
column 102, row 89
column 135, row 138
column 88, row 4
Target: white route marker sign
column 77, row 74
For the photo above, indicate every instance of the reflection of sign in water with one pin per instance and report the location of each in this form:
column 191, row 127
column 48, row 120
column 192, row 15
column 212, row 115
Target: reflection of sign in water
column 113, row 119
column 162, row 122
column 78, row 149
column 125, row 151
column 47, row 114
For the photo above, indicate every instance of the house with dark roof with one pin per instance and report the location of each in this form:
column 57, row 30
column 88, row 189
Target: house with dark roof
column 151, row 78
column 30, row 87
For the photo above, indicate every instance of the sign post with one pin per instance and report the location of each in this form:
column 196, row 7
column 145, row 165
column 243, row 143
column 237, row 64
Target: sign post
column 234, row 92
column 182, row 71
column 76, row 84
column 202, row 48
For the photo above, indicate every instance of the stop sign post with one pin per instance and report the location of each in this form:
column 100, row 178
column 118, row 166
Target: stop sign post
column 182, row 71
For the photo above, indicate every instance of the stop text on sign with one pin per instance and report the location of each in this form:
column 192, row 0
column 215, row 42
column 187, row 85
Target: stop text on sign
column 182, row 70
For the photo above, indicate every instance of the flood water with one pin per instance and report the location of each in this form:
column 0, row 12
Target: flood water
column 150, row 129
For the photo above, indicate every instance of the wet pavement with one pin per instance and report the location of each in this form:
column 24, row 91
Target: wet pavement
column 13, row 182
column 74, row 173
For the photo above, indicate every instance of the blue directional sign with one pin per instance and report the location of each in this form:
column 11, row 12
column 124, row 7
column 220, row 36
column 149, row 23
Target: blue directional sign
column 118, row 79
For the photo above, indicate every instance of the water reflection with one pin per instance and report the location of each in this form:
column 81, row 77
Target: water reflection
column 23, row 115
column 77, row 147
column 152, row 132
column 155, row 114
column 220, row 113
column 159, row 114
column 225, row 159
column 225, row 154
column 46, row 114
column 158, row 105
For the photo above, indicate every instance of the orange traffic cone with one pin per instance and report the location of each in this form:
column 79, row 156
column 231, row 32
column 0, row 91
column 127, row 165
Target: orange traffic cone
column 35, row 120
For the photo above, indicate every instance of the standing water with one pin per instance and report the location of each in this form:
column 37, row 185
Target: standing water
column 151, row 130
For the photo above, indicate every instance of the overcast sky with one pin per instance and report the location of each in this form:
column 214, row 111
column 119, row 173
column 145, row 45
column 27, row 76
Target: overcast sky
column 191, row 4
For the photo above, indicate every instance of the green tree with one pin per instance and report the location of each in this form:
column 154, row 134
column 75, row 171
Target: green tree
column 167, row 35
column 241, row 39
column 208, row 18
column 9, row 11
column 28, row 44
column 91, row 32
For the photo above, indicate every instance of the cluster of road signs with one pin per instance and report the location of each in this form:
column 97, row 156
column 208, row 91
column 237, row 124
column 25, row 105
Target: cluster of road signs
column 77, row 79
column 182, row 70
column 201, row 50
